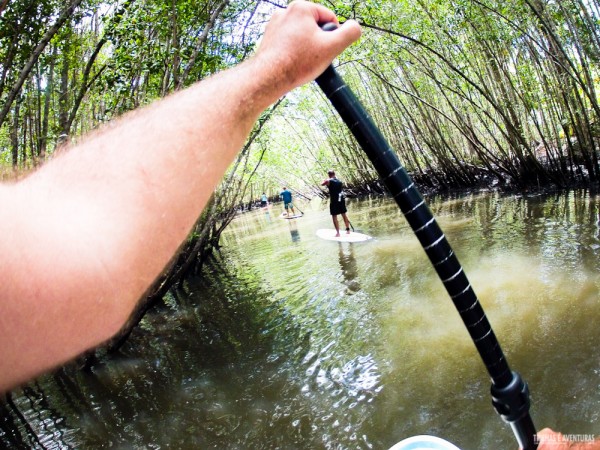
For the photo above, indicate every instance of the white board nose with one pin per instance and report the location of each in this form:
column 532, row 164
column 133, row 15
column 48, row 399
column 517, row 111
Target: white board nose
column 424, row 442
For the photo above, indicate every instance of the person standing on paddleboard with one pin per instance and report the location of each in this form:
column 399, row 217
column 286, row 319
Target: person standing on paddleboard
column 337, row 203
column 287, row 201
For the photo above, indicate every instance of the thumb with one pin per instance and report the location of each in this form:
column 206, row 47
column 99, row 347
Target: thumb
column 344, row 35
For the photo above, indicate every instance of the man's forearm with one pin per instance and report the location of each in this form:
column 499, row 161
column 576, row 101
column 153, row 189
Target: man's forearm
column 83, row 238
column 106, row 216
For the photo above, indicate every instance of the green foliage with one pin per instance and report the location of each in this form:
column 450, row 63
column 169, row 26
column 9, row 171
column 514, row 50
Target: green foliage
column 481, row 82
column 117, row 55
column 450, row 82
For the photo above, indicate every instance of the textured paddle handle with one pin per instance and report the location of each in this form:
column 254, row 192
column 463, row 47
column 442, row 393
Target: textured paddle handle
column 510, row 392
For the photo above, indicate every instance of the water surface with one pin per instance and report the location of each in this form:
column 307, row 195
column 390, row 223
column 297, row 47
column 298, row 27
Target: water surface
column 296, row 342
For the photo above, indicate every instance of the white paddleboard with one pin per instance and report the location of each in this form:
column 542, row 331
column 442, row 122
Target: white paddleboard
column 424, row 442
column 329, row 234
column 295, row 216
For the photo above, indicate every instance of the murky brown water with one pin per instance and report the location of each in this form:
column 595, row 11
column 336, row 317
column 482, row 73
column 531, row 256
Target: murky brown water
column 304, row 344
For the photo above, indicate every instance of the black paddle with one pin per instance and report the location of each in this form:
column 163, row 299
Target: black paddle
column 510, row 394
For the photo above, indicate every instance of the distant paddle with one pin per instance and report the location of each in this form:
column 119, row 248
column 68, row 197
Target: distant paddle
column 510, row 394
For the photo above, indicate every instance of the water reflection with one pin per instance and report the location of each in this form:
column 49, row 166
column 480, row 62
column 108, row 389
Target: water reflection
column 267, row 211
column 293, row 226
column 348, row 266
column 301, row 343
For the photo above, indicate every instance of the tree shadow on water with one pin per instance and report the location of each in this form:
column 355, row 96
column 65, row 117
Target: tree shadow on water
column 207, row 368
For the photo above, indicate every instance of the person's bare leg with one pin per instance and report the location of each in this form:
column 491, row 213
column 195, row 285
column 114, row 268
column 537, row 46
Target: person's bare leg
column 346, row 222
column 336, row 225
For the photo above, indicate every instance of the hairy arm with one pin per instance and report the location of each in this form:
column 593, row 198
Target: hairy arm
column 83, row 238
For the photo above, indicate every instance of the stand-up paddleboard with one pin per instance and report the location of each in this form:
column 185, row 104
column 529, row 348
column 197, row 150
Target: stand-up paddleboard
column 295, row 216
column 329, row 234
column 424, row 443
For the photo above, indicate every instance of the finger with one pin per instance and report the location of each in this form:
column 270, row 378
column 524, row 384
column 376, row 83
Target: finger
column 321, row 13
column 346, row 34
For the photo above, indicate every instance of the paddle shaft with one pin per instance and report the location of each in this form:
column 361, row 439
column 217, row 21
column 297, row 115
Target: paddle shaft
column 510, row 394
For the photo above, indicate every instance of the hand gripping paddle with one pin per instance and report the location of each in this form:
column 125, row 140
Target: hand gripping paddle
column 510, row 394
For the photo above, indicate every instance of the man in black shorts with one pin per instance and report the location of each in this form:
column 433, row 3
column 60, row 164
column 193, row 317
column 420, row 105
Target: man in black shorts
column 337, row 203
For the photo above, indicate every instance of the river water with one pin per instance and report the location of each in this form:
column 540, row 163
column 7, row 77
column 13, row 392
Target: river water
column 292, row 342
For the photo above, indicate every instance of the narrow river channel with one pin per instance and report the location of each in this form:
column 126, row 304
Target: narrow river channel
column 293, row 342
